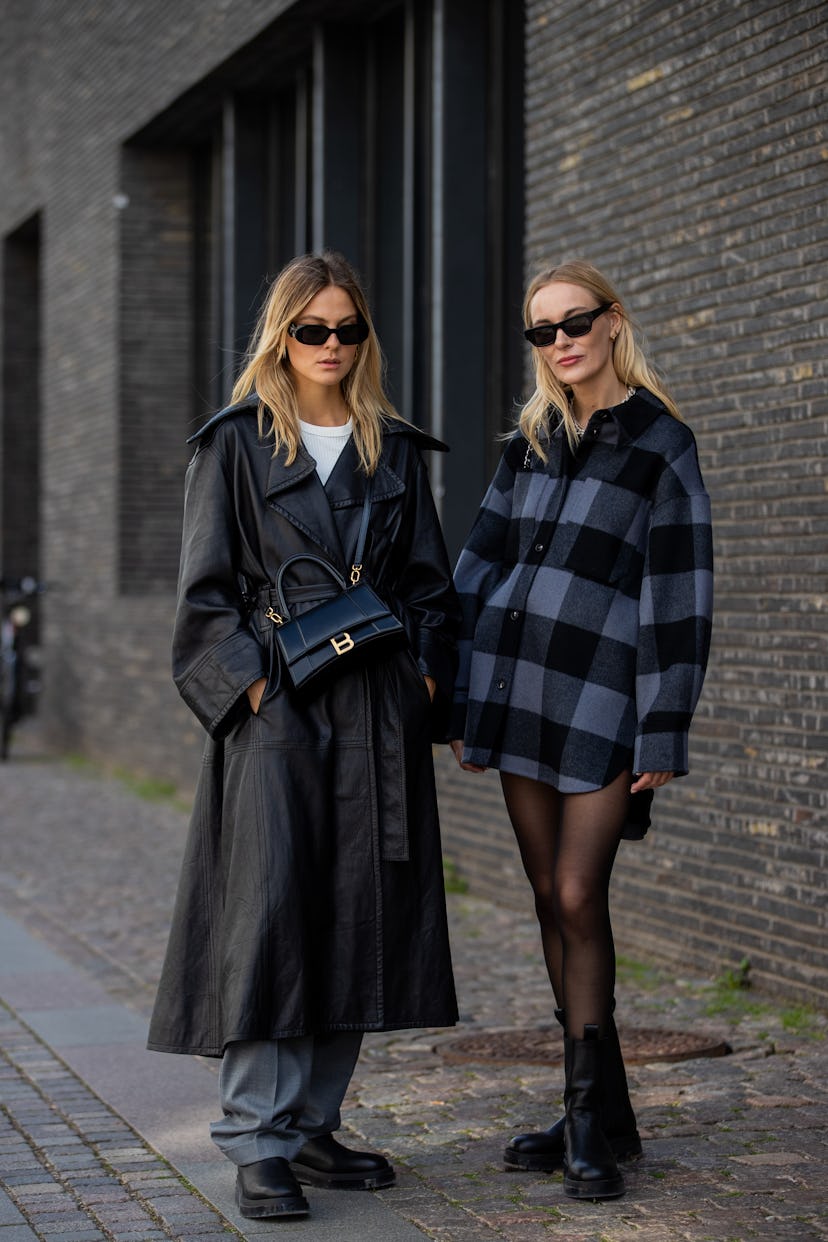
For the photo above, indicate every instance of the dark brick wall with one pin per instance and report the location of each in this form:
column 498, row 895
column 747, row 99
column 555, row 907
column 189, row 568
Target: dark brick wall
column 677, row 145
column 156, row 351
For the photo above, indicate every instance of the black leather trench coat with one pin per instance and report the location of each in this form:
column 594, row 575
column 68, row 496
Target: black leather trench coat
column 311, row 894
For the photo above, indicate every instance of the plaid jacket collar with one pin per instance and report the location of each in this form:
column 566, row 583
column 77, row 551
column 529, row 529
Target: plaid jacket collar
column 620, row 424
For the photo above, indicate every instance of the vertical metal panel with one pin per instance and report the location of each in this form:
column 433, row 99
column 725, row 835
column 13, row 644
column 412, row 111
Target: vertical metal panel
column 254, row 203
column 437, row 158
column 338, row 139
column 208, row 392
column 317, row 121
column 476, row 241
column 245, row 227
column 280, row 206
column 214, row 239
column 409, row 131
column 368, row 174
column 228, row 247
column 386, row 190
column 464, row 267
column 420, row 45
column 504, row 236
column 302, row 185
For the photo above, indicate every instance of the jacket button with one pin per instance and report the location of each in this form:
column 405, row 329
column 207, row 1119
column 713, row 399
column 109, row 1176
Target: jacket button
column 538, row 547
column 514, row 614
column 501, row 684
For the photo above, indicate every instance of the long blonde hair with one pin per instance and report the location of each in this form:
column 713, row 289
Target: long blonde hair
column 552, row 397
column 268, row 371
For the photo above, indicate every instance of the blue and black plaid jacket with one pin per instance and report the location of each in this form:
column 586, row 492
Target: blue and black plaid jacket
column 587, row 588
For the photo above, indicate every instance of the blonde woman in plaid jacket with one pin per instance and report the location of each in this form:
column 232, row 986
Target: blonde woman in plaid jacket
column 586, row 585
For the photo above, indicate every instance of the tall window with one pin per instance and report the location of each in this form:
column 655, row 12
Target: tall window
column 20, row 455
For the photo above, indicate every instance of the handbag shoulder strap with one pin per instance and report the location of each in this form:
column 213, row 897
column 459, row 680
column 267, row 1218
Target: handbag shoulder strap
column 356, row 567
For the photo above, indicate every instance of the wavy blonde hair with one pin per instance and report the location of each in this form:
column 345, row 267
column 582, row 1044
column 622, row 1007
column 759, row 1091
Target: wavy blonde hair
column 267, row 370
column 552, row 397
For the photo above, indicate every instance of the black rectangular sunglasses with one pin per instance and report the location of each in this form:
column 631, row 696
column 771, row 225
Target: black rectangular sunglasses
column 575, row 325
column 318, row 333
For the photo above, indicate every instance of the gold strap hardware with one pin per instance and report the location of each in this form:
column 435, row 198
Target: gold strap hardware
column 356, row 570
column 272, row 615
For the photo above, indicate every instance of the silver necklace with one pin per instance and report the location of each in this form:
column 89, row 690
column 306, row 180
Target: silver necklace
column 580, row 431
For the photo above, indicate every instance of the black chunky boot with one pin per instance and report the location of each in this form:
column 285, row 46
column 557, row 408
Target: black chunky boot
column 267, row 1188
column 542, row 1151
column 539, row 1151
column 590, row 1170
column 325, row 1162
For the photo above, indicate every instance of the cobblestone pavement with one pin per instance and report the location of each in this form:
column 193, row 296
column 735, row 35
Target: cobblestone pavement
column 735, row 1147
column 72, row 1169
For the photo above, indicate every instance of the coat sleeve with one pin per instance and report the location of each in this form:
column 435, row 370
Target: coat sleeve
column 424, row 586
column 215, row 654
column 479, row 570
column 675, row 614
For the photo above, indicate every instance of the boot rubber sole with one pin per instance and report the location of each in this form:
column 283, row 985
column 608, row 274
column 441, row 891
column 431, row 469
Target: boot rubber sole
column 283, row 1207
column 607, row 1188
column 381, row 1180
column 624, row 1147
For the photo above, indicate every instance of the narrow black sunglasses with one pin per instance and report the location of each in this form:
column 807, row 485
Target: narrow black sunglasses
column 318, row 333
column 575, row 325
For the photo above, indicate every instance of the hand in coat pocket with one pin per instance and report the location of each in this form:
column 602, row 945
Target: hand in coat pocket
column 255, row 692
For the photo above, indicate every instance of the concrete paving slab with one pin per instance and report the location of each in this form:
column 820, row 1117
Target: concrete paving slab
column 49, row 989
column 170, row 1100
column 92, row 1025
column 23, row 955
column 336, row 1216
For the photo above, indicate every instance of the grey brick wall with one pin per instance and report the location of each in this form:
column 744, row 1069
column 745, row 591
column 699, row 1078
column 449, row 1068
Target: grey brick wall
column 677, row 145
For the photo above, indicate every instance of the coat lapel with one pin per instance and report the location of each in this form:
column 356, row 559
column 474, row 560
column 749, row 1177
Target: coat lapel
column 296, row 493
column 346, row 486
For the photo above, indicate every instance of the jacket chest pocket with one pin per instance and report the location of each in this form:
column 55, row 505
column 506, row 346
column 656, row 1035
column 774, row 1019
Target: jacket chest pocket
column 536, row 496
column 536, row 502
column 601, row 556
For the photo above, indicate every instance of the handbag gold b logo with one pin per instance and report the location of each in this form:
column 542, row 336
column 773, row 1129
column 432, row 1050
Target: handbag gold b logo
column 343, row 643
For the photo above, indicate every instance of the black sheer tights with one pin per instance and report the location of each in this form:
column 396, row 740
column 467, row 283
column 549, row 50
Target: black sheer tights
column 568, row 844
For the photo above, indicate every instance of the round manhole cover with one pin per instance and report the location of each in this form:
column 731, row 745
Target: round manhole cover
column 544, row 1046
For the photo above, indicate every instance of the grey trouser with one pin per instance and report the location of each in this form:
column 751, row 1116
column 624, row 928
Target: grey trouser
column 276, row 1094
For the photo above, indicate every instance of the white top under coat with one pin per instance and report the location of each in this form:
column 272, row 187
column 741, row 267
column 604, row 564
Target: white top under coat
column 325, row 444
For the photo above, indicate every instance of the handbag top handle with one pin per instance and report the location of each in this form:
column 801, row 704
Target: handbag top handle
column 356, row 566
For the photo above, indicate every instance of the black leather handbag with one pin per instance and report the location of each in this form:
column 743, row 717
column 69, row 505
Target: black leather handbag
column 336, row 633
